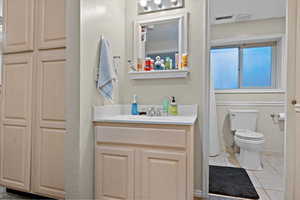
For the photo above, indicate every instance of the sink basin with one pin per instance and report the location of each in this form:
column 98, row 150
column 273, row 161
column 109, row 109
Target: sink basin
column 119, row 114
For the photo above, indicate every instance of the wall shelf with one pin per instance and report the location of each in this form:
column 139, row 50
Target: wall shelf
column 158, row 74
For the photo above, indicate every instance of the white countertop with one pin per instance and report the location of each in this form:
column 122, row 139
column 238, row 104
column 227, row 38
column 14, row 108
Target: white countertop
column 120, row 114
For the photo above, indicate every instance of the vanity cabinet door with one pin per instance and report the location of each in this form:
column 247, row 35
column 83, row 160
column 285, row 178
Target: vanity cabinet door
column 163, row 175
column 50, row 125
column 15, row 126
column 114, row 173
column 18, row 25
column 50, row 24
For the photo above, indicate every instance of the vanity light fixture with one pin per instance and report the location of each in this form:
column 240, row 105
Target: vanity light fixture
column 174, row 2
column 158, row 2
column 144, row 4
column 150, row 6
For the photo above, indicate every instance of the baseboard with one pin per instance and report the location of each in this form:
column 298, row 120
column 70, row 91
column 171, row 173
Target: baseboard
column 198, row 193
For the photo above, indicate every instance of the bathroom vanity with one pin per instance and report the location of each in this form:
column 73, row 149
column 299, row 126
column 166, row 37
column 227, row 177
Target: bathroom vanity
column 141, row 157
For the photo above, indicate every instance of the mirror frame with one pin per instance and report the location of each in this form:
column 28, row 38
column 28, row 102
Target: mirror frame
column 183, row 33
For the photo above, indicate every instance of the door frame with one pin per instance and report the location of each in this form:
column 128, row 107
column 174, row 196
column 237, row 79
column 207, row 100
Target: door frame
column 206, row 104
column 293, row 43
column 290, row 124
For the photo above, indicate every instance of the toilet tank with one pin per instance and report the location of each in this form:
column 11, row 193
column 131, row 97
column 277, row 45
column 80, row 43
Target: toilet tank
column 243, row 119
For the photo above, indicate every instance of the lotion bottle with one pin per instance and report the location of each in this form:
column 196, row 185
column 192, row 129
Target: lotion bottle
column 173, row 108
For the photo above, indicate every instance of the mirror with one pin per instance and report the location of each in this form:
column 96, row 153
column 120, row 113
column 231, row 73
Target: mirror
column 161, row 41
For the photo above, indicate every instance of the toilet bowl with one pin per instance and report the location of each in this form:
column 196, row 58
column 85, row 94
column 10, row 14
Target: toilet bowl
column 251, row 145
column 243, row 124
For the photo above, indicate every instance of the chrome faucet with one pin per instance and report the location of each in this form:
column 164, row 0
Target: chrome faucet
column 152, row 111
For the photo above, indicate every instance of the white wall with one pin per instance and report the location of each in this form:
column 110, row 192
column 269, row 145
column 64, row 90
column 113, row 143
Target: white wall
column 72, row 100
column 273, row 132
column 187, row 91
column 248, row 29
column 105, row 17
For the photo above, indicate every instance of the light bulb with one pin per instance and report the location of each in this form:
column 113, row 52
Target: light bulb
column 174, row 2
column 143, row 3
column 157, row 2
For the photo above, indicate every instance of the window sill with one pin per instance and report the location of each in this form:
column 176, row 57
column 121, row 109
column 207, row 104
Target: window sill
column 250, row 91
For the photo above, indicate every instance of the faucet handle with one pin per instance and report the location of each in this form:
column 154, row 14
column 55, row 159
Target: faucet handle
column 158, row 112
column 151, row 112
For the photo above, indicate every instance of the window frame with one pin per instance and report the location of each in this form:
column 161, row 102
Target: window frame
column 275, row 62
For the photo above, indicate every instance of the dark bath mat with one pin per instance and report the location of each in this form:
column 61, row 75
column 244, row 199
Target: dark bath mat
column 231, row 181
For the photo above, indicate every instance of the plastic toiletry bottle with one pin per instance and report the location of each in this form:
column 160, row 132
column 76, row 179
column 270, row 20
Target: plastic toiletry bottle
column 166, row 104
column 184, row 60
column 173, row 108
column 168, row 63
column 134, row 106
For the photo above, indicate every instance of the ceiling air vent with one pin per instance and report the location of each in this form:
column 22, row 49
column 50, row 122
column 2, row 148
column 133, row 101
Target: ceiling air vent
column 224, row 18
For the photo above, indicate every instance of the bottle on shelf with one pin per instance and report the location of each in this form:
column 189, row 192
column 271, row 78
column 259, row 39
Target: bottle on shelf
column 184, row 60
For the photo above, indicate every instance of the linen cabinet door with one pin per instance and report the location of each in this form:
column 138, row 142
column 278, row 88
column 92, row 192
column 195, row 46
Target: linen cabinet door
column 51, row 24
column 18, row 25
column 114, row 173
column 49, row 132
column 163, row 175
column 16, row 114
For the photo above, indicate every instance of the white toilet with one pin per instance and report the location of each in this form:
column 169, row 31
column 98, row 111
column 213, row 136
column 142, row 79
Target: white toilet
column 243, row 123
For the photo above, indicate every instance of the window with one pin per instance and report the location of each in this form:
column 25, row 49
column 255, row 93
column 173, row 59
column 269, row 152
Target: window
column 246, row 66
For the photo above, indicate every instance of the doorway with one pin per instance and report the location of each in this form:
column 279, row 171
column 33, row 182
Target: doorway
column 248, row 74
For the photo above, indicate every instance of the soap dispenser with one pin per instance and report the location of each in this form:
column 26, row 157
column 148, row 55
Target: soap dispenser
column 134, row 106
column 173, row 108
column 166, row 105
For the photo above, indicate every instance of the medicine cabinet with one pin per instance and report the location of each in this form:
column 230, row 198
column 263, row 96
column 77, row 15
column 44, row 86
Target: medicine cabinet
column 161, row 48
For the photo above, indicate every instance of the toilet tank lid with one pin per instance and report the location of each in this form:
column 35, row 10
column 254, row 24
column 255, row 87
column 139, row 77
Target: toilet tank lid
column 243, row 111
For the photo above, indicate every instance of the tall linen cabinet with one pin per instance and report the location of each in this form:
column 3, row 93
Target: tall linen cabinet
column 32, row 126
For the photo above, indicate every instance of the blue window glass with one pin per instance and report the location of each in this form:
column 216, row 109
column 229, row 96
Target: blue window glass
column 257, row 67
column 225, row 63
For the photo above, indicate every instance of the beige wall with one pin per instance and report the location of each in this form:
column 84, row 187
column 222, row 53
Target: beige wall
column 187, row 91
column 273, row 132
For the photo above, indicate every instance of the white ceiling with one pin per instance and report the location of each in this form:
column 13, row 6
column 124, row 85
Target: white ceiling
column 258, row 9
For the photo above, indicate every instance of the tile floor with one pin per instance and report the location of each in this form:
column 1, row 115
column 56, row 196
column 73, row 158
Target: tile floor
column 268, row 182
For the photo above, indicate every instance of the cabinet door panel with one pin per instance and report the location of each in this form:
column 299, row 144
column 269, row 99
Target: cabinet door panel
column 50, row 26
column 18, row 25
column 163, row 175
column 114, row 173
column 48, row 171
column 15, row 134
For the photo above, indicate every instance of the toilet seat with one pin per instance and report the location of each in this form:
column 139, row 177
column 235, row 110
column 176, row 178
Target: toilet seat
column 249, row 135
